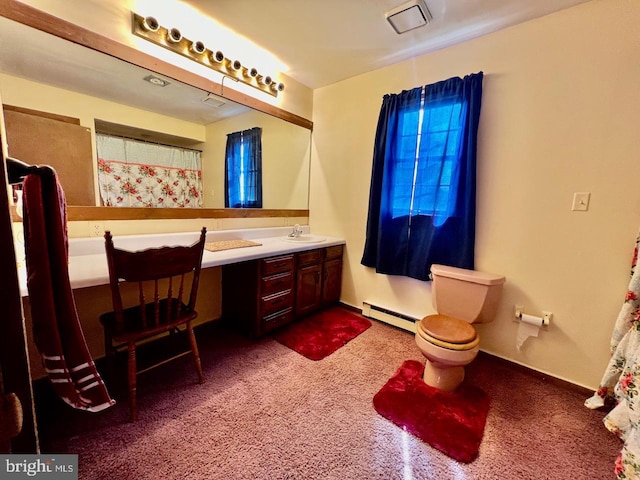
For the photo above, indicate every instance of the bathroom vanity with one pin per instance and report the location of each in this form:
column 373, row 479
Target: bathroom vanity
column 258, row 288
column 261, row 295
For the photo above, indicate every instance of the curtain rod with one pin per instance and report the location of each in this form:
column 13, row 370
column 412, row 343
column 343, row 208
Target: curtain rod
column 147, row 141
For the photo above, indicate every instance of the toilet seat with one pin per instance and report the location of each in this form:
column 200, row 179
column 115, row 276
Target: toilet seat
column 448, row 332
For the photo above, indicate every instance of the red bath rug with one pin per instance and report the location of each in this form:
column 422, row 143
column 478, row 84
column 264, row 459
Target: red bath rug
column 322, row 333
column 452, row 422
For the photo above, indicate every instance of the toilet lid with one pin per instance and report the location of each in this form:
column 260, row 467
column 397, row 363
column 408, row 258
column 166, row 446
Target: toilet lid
column 448, row 329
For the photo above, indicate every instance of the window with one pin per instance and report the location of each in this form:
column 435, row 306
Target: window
column 422, row 194
column 134, row 173
column 427, row 162
column 243, row 169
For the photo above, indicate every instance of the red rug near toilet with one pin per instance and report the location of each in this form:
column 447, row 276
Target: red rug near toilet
column 452, row 422
column 322, row 333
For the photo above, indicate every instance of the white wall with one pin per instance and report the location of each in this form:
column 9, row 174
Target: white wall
column 561, row 109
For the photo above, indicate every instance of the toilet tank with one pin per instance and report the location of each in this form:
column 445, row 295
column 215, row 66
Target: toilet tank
column 468, row 295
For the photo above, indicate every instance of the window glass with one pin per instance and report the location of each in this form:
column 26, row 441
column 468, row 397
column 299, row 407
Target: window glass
column 243, row 165
column 425, row 168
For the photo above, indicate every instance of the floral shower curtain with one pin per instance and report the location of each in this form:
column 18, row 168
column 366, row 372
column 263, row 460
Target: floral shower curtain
column 621, row 380
column 133, row 173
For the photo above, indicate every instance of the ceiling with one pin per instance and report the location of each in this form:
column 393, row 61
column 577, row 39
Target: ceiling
column 322, row 42
column 43, row 58
column 326, row 41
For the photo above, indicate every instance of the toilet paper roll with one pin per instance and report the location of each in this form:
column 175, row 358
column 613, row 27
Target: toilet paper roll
column 529, row 327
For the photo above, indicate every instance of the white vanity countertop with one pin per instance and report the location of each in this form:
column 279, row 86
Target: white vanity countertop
column 88, row 262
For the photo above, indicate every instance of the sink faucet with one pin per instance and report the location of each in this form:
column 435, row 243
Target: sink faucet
column 297, row 231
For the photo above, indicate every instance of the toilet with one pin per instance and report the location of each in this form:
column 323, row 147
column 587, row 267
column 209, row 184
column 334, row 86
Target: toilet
column 447, row 339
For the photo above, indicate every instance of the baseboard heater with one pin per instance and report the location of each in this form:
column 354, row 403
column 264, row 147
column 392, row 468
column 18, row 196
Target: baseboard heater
column 386, row 315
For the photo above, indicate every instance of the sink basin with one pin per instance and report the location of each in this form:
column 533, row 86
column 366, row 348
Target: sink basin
column 304, row 239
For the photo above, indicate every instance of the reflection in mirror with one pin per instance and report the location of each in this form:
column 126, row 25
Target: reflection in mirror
column 62, row 82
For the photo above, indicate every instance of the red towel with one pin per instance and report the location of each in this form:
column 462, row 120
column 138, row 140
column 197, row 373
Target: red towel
column 56, row 326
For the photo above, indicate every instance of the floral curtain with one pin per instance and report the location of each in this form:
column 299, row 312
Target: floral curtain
column 132, row 173
column 621, row 380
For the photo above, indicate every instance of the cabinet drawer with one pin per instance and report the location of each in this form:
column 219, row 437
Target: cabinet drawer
column 278, row 301
column 277, row 319
column 333, row 252
column 306, row 258
column 274, row 265
column 276, row 283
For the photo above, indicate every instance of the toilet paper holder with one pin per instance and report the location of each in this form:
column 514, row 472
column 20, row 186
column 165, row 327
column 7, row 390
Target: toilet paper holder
column 545, row 319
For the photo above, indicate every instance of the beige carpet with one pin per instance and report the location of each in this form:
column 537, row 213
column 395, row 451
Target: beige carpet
column 266, row 412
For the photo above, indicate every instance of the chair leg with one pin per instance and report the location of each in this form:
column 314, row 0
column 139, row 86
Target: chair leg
column 110, row 356
column 108, row 353
column 131, row 364
column 196, row 353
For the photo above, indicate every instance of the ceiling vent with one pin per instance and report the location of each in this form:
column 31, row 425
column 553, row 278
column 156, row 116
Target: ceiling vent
column 213, row 100
column 408, row 16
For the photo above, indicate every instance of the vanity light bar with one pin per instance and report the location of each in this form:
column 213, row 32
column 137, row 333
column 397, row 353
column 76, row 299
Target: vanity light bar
column 171, row 39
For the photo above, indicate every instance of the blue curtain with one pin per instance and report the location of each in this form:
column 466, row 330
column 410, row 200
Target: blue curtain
column 243, row 169
column 423, row 186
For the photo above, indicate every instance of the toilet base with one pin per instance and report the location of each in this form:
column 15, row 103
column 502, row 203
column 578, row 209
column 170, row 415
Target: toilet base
column 446, row 378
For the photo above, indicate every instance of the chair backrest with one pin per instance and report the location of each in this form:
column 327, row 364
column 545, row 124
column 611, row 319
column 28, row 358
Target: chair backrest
column 155, row 266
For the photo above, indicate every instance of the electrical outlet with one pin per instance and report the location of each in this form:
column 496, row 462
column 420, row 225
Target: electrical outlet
column 96, row 229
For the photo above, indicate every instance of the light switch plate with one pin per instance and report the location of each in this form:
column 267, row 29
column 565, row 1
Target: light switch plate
column 580, row 201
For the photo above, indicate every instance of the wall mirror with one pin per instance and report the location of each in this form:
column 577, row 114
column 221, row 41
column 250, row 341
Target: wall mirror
column 114, row 95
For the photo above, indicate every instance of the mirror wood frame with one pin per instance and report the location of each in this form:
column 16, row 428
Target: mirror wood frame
column 32, row 17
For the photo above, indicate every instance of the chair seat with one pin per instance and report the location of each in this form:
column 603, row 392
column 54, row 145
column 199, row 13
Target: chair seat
column 132, row 327
column 448, row 332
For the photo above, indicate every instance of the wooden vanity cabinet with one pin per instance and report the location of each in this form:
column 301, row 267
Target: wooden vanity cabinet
column 308, row 281
column 318, row 279
column 258, row 295
column 261, row 295
column 331, row 275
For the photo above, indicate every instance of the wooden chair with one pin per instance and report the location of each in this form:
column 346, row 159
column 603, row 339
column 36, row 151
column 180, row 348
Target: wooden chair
column 157, row 271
